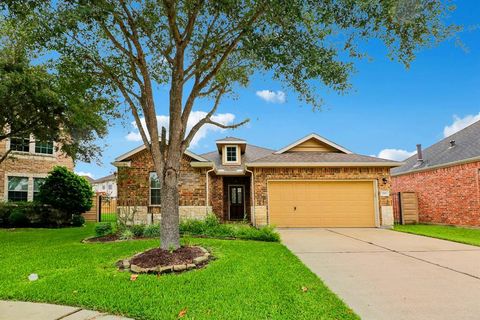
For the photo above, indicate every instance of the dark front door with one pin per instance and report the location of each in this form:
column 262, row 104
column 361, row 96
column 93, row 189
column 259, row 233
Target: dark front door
column 236, row 195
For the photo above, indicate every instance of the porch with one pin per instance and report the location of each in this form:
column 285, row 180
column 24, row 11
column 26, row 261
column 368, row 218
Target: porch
column 230, row 197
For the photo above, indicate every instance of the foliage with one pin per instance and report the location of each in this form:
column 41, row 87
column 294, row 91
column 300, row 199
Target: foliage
column 137, row 229
column 18, row 218
column 85, row 275
column 126, row 234
column 103, row 229
column 458, row 234
column 152, row 231
column 52, row 107
column 37, row 214
column 78, row 220
column 211, row 227
column 66, row 191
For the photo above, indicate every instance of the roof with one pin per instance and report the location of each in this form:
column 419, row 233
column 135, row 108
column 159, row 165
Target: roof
column 309, row 158
column 251, row 154
column 110, row 177
column 89, row 179
column 317, row 137
column 230, row 139
column 467, row 148
column 142, row 147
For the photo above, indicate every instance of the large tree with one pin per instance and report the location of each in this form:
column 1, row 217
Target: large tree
column 51, row 106
column 204, row 49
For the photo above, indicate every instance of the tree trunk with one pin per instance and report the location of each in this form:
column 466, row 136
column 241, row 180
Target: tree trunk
column 169, row 234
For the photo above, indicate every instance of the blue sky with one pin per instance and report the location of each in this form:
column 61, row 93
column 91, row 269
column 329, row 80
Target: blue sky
column 389, row 106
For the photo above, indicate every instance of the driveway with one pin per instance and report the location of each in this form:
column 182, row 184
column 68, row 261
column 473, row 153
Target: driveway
column 383, row 274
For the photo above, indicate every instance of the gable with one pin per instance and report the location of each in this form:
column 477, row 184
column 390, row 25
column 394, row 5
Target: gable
column 313, row 144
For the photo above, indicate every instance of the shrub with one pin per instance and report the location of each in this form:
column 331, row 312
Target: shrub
column 137, row 230
column 211, row 220
column 78, row 220
column 18, row 218
column 67, row 192
column 103, row 229
column 152, row 231
column 127, row 234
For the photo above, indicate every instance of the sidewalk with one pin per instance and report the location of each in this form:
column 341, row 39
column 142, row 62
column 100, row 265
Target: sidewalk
column 15, row 310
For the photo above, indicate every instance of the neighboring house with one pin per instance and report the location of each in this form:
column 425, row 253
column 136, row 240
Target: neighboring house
column 106, row 185
column 312, row 182
column 90, row 180
column 24, row 170
column 445, row 177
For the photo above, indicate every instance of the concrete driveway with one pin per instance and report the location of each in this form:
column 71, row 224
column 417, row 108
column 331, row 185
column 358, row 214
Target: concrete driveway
column 383, row 274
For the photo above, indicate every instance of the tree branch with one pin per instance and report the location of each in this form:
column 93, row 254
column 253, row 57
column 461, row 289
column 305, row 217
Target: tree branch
column 5, row 155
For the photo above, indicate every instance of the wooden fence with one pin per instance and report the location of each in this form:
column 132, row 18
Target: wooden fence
column 103, row 209
column 405, row 207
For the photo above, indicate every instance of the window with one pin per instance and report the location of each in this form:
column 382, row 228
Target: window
column 154, row 189
column 17, row 189
column 45, row 147
column 231, row 153
column 20, row 144
column 110, row 186
column 37, row 183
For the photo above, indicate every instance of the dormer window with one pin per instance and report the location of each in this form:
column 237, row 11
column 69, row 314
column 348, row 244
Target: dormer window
column 231, row 154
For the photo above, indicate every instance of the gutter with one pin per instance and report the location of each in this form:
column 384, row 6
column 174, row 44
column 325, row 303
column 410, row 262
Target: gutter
column 438, row 166
column 324, row 164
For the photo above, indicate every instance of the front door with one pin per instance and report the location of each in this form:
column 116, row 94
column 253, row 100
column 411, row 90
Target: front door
column 236, row 197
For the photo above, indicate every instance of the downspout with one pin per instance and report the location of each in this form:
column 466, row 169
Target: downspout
column 252, row 190
column 207, row 191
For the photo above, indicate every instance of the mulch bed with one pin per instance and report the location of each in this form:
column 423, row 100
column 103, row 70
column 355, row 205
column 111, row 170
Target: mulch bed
column 109, row 238
column 159, row 257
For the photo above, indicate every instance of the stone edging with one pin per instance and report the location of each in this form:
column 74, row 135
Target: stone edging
column 198, row 262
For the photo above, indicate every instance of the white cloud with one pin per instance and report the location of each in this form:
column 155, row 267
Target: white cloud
column 195, row 117
column 272, row 96
column 395, row 154
column 82, row 173
column 460, row 123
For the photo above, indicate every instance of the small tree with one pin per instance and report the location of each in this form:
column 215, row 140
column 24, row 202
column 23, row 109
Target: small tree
column 67, row 192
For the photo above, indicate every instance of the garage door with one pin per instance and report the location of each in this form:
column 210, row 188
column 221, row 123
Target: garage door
column 321, row 203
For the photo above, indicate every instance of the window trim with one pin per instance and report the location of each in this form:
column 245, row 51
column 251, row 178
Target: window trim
column 150, row 190
column 225, row 159
column 28, row 175
column 31, row 148
column 7, row 194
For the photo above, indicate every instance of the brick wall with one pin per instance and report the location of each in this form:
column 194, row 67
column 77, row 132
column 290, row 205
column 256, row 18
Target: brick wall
column 445, row 195
column 133, row 181
column 29, row 165
column 262, row 175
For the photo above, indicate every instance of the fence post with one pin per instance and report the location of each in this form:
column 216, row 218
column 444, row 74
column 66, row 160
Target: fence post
column 99, row 208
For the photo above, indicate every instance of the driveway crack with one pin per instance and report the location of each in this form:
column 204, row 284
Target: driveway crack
column 403, row 253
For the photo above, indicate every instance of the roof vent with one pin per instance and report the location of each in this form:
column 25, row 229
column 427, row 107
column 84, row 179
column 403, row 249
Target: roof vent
column 452, row 143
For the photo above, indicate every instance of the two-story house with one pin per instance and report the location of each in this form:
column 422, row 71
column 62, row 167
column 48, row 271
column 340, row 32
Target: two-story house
column 28, row 163
column 312, row 182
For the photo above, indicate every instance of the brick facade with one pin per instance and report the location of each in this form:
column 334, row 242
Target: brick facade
column 30, row 165
column 448, row 195
column 262, row 175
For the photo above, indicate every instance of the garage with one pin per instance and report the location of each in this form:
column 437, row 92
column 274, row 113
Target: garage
column 321, row 203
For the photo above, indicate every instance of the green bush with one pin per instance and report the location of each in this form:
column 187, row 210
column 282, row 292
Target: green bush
column 210, row 228
column 78, row 220
column 18, row 218
column 37, row 214
column 152, row 231
column 137, row 229
column 127, row 234
column 103, row 229
column 67, row 192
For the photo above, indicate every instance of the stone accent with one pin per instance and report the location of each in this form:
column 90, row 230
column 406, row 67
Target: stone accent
column 30, row 165
column 447, row 195
column 262, row 175
column 197, row 263
column 387, row 216
column 142, row 216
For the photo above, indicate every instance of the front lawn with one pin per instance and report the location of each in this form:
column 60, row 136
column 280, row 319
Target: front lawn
column 249, row 280
column 457, row 234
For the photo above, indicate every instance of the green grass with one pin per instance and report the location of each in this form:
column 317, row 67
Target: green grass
column 248, row 280
column 457, row 234
column 108, row 217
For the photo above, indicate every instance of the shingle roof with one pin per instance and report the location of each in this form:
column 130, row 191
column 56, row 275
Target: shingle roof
column 311, row 157
column 467, row 146
column 230, row 139
column 251, row 153
column 110, row 177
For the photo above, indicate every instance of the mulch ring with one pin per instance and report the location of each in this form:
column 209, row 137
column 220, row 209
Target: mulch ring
column 109, row 238
column 159, row 261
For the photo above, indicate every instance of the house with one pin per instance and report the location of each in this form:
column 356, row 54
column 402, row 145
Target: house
column 312, row 182
column 445, row 177
column 106, row 185
column 29, row 162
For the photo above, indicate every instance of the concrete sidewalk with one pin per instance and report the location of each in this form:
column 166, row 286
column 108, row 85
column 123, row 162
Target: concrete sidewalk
column 16, row 310
column 384, row 274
